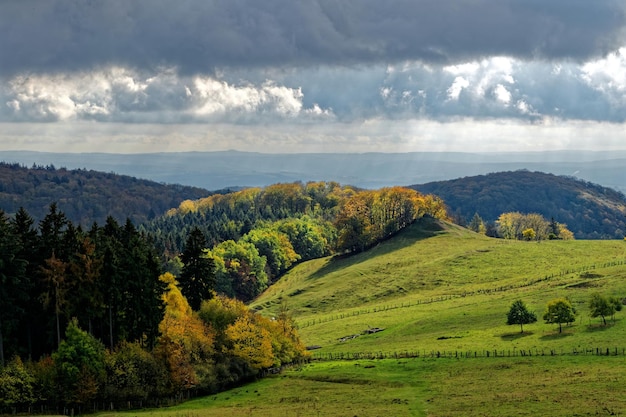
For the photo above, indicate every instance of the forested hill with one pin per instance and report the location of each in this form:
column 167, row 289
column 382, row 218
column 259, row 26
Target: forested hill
column 589, row 210
column 86, row 196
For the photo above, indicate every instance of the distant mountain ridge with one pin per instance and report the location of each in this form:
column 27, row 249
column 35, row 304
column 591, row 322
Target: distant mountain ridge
column 589, row 210
column 222, row 169
column 87, row 196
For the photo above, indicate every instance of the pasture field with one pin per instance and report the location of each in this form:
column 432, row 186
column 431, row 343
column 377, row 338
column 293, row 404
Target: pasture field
column 530, row 386
column 440, row 294
column 442, row 288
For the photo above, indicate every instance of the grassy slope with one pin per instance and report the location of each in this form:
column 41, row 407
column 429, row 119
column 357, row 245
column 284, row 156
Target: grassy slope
column 471, row 281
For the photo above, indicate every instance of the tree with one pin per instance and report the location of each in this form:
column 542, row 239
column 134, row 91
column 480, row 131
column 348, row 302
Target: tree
column 186, row 343
column 559, row 311
column 197, row 278
column 16, row 385
column 79, row 364
column 251, row 342
column 477, row 224
column 240, row 270
column 529, row 234
column 12, row 283
column 56, row 284
column 519, row 314
column 276, row 248
column 603, row 307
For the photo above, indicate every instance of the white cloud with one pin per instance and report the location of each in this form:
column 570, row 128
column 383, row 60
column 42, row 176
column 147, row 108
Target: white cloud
column 457, row 86
column 502, row 94
column 118, row 94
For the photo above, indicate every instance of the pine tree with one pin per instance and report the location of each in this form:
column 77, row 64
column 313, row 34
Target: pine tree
column 519, row 314
column 197, row 278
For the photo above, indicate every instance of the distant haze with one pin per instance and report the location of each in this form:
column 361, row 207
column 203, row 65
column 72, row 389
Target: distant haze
column 217, row 170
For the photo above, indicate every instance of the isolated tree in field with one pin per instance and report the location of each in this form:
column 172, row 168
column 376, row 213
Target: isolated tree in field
column 197, row 278
column 559, row 311
column 603, row 307
column 519, row 314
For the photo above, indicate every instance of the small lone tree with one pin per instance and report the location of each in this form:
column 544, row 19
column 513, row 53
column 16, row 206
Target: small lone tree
column 559, row 311
column 603, row 307
column 519, row 314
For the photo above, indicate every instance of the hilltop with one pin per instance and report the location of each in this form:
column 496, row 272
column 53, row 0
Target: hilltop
column 589, row 210
column 437, row 286
column 87, row 196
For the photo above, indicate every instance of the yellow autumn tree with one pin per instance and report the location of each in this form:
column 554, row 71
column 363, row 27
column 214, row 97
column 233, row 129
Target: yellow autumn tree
column 251, row 342
column 186, row 343
column 286, row 343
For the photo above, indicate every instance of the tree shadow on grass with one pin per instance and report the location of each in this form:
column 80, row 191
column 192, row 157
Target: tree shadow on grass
column 423, row 228
column 556, row 335
column 515, row 336
column 599, row 327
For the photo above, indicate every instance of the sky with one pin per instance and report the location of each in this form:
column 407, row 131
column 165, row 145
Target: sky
column 285, row 76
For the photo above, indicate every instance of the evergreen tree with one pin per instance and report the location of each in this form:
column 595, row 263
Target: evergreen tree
column 519, row 314
column 477, row 224
column 197, row 279
column 12, row 275
column 28, row 249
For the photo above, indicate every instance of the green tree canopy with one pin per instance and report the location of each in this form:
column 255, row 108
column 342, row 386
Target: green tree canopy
column 80, row 366
column 519, row 314
column 600, row 306
column 559, row 311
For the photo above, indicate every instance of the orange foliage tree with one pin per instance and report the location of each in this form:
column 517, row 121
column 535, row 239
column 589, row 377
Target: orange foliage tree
column 186, row 342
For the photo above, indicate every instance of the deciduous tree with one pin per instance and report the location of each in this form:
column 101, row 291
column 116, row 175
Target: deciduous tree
column 79, row 364
column 600, row 306
column 559, row 311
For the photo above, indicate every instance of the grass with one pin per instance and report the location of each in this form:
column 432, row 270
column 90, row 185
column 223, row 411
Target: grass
column 449, row 289
column 440, row 288
column 531, row 386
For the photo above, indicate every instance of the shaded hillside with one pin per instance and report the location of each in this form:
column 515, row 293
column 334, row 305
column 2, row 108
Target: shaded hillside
column 87, row 196
column 589, row 210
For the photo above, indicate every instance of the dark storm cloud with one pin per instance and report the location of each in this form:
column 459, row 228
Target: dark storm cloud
column 198, row 36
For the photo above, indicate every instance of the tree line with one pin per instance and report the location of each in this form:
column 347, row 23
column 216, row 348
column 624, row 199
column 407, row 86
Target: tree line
column 364, row 215
column 87, row 196
column 253, row 236
column 590, row 210
column 105, row 277
column 519, row 226
column 561, row 311
column 90, row 316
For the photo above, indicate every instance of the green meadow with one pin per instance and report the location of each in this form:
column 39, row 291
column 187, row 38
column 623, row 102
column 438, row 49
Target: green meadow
column 439, row 294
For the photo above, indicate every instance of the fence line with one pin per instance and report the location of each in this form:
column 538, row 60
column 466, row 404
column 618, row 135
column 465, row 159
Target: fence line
column 466, row 354
column 378, row 309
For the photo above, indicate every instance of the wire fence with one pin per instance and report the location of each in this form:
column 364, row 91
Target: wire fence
column 466, row 354
column 488, row 290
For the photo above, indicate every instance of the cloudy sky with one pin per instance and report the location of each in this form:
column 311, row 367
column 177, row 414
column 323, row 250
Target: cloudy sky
column 312, row 75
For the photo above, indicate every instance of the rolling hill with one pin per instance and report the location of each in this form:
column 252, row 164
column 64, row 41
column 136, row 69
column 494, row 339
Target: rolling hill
column 439, row 287
column 589, row 210
column 221, row 169
column 87, row 196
